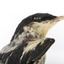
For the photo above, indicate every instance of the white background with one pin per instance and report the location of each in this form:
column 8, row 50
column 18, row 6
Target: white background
column 13, row 11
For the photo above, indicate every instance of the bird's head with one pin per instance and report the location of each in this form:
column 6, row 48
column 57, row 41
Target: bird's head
column 39, row 22
column 42, row 22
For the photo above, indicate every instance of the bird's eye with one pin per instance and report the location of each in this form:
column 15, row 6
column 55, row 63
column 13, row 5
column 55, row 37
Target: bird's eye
column 37, row 18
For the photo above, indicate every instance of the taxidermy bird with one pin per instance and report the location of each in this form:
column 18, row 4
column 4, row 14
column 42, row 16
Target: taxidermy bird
column 29, row 43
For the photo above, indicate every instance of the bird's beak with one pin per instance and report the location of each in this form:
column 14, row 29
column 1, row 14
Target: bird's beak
column 60, row 18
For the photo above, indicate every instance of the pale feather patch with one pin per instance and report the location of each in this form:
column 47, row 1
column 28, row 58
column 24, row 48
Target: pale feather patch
column 15, row 43
column 41, row 28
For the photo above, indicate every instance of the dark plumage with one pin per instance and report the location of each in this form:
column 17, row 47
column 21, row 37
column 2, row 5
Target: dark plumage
column 14, row 56
column 34, row 56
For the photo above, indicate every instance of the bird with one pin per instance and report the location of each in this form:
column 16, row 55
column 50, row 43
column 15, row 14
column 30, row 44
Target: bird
column 29, row 43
